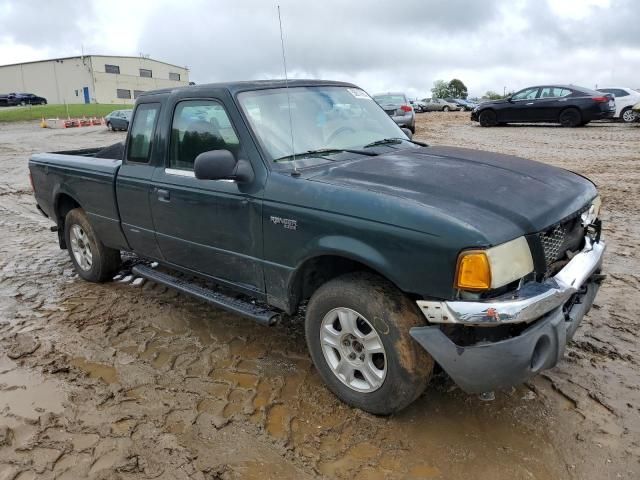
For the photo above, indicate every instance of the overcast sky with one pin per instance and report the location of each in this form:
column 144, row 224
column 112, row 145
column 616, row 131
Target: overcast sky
column 379, row 45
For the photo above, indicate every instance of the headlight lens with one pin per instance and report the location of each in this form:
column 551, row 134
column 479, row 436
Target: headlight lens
column 591, row 215
column 494, row 267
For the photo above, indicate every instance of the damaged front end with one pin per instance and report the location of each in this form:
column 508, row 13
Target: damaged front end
column 486, row 344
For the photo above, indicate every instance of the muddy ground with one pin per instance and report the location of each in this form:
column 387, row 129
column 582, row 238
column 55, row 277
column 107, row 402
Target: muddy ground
column 115, row 381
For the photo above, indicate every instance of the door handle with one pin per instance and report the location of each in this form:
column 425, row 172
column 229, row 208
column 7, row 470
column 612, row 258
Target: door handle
column 163, row 195
column 530, row 103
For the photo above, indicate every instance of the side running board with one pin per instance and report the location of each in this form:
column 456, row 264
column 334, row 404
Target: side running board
column 240, row 307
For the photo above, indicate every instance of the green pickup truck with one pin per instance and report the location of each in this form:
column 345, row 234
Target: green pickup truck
column 266, row 198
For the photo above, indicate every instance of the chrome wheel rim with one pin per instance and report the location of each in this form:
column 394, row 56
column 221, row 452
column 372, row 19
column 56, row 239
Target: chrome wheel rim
column 629, row 116
column 353, row 350
column 80, row 247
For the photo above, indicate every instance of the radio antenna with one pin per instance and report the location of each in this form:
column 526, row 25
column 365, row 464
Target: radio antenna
column 286, row 84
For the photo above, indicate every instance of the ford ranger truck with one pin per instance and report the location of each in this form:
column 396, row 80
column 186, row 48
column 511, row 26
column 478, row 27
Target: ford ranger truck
column 262, row 197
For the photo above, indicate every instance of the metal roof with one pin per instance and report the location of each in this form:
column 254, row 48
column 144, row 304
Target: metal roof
column 96, row 55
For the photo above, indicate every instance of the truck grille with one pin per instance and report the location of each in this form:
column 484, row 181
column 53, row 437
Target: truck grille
column 552, row 243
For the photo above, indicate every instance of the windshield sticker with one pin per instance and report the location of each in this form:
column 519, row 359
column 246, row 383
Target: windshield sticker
column 356, row 92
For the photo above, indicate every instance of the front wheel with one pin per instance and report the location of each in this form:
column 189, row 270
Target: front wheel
column 357, row 328
column 488, row 118
column 445, row 109
column 92, row 260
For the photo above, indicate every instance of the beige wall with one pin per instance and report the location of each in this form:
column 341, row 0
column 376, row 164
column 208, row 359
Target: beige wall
column 61, row 81
column 56, row 80
column 107, row 84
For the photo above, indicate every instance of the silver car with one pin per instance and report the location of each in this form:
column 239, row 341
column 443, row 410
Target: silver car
column 440, row 105
column 397, row 105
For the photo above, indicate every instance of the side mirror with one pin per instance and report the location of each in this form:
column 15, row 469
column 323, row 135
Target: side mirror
column 222, row 165
column 408, row 133
column 509, row 99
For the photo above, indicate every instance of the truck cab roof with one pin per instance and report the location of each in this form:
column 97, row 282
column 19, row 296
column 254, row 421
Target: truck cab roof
column 241, row 86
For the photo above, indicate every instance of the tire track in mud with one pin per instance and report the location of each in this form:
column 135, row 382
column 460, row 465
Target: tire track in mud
column 146, row 383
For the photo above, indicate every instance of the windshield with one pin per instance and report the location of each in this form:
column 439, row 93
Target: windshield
column 390, row 99
column 323, row 118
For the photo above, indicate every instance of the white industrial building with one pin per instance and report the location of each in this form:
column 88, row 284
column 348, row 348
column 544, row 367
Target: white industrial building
column 91, row 78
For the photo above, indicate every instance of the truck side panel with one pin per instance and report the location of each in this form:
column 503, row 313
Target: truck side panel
column 89, row 182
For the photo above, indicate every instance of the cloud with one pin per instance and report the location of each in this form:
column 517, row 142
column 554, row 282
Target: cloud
column 377, row 44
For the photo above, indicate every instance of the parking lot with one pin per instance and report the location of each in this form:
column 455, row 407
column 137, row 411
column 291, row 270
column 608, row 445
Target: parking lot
column 116, row 381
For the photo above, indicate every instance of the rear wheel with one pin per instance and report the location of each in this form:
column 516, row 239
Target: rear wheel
column 357, row 328
column 488, row 118
column 92, row 260
column 628, row 115
column 445, row 109
column 570, row 118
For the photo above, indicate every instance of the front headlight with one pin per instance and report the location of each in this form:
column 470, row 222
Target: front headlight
column 494, row 267
column 591, row 215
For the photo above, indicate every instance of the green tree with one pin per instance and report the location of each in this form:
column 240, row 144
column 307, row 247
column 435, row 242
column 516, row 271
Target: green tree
column 491, row 95
column 440, row 89
column 457, row 89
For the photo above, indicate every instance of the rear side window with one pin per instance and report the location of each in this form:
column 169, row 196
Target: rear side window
column 199, row 126
column 141, row 133
column 554, row 92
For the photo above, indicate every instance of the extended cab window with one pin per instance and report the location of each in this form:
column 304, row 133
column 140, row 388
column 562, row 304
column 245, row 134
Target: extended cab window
column 141, row 135
column 199, row 126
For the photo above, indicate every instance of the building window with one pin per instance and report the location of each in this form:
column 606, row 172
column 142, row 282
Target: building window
column 76, row 93
column 112, row 69
column 174, row 76
column 136, row 93
column 145, row 73
column 123, row 93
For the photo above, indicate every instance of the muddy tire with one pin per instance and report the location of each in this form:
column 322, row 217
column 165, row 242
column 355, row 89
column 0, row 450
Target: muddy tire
column 357, row 328
column 91, row 259
column 570, row 118
column 488, row 118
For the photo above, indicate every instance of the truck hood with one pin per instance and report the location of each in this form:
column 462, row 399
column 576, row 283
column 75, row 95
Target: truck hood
column 501, row 196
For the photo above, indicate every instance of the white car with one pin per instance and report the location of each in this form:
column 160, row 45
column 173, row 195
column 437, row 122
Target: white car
column 626, row 98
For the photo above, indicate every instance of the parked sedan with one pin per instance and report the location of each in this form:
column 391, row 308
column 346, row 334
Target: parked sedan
column 118, row 120
column 23, row 99
column 568, row 105
column 399, row 108
column 626, row 98
column 462, row 103
column 439, row 105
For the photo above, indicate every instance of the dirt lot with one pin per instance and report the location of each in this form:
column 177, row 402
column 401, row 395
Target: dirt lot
column 116, row 381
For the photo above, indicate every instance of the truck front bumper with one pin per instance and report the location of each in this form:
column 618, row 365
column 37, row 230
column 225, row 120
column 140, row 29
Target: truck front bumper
column 553, row 308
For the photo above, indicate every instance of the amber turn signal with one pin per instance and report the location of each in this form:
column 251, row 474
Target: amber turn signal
column 474, row 271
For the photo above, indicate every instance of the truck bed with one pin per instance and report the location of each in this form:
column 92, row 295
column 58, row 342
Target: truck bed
column 81, row 177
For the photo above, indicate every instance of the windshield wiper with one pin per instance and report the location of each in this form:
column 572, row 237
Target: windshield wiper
column 325, row 151
column 393, row 140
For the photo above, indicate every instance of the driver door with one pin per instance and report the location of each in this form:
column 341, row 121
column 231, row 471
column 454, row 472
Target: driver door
column 206, row 226
column 521, row 106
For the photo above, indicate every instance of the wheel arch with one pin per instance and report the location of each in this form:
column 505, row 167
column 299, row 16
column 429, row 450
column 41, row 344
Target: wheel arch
column 63, row 203
column 326, row 265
